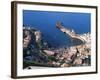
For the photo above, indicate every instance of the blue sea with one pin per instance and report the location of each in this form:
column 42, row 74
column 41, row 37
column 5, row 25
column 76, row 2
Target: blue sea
column 45, row 21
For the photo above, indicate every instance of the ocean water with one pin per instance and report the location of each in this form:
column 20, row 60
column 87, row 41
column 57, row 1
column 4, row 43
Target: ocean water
column 45, row 21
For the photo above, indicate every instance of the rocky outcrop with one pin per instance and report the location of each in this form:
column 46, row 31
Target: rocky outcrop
column 32, row 47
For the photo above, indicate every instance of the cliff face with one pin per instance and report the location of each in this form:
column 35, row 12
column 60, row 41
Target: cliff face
column 32, row 46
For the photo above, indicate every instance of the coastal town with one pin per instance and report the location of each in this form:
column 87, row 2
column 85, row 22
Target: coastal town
column 36, row 51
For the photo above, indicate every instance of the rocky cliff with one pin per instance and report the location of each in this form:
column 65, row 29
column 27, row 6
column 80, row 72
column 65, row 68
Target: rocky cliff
column 35, row 49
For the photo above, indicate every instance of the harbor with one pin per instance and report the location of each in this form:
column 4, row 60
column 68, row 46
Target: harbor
column 38, row 52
